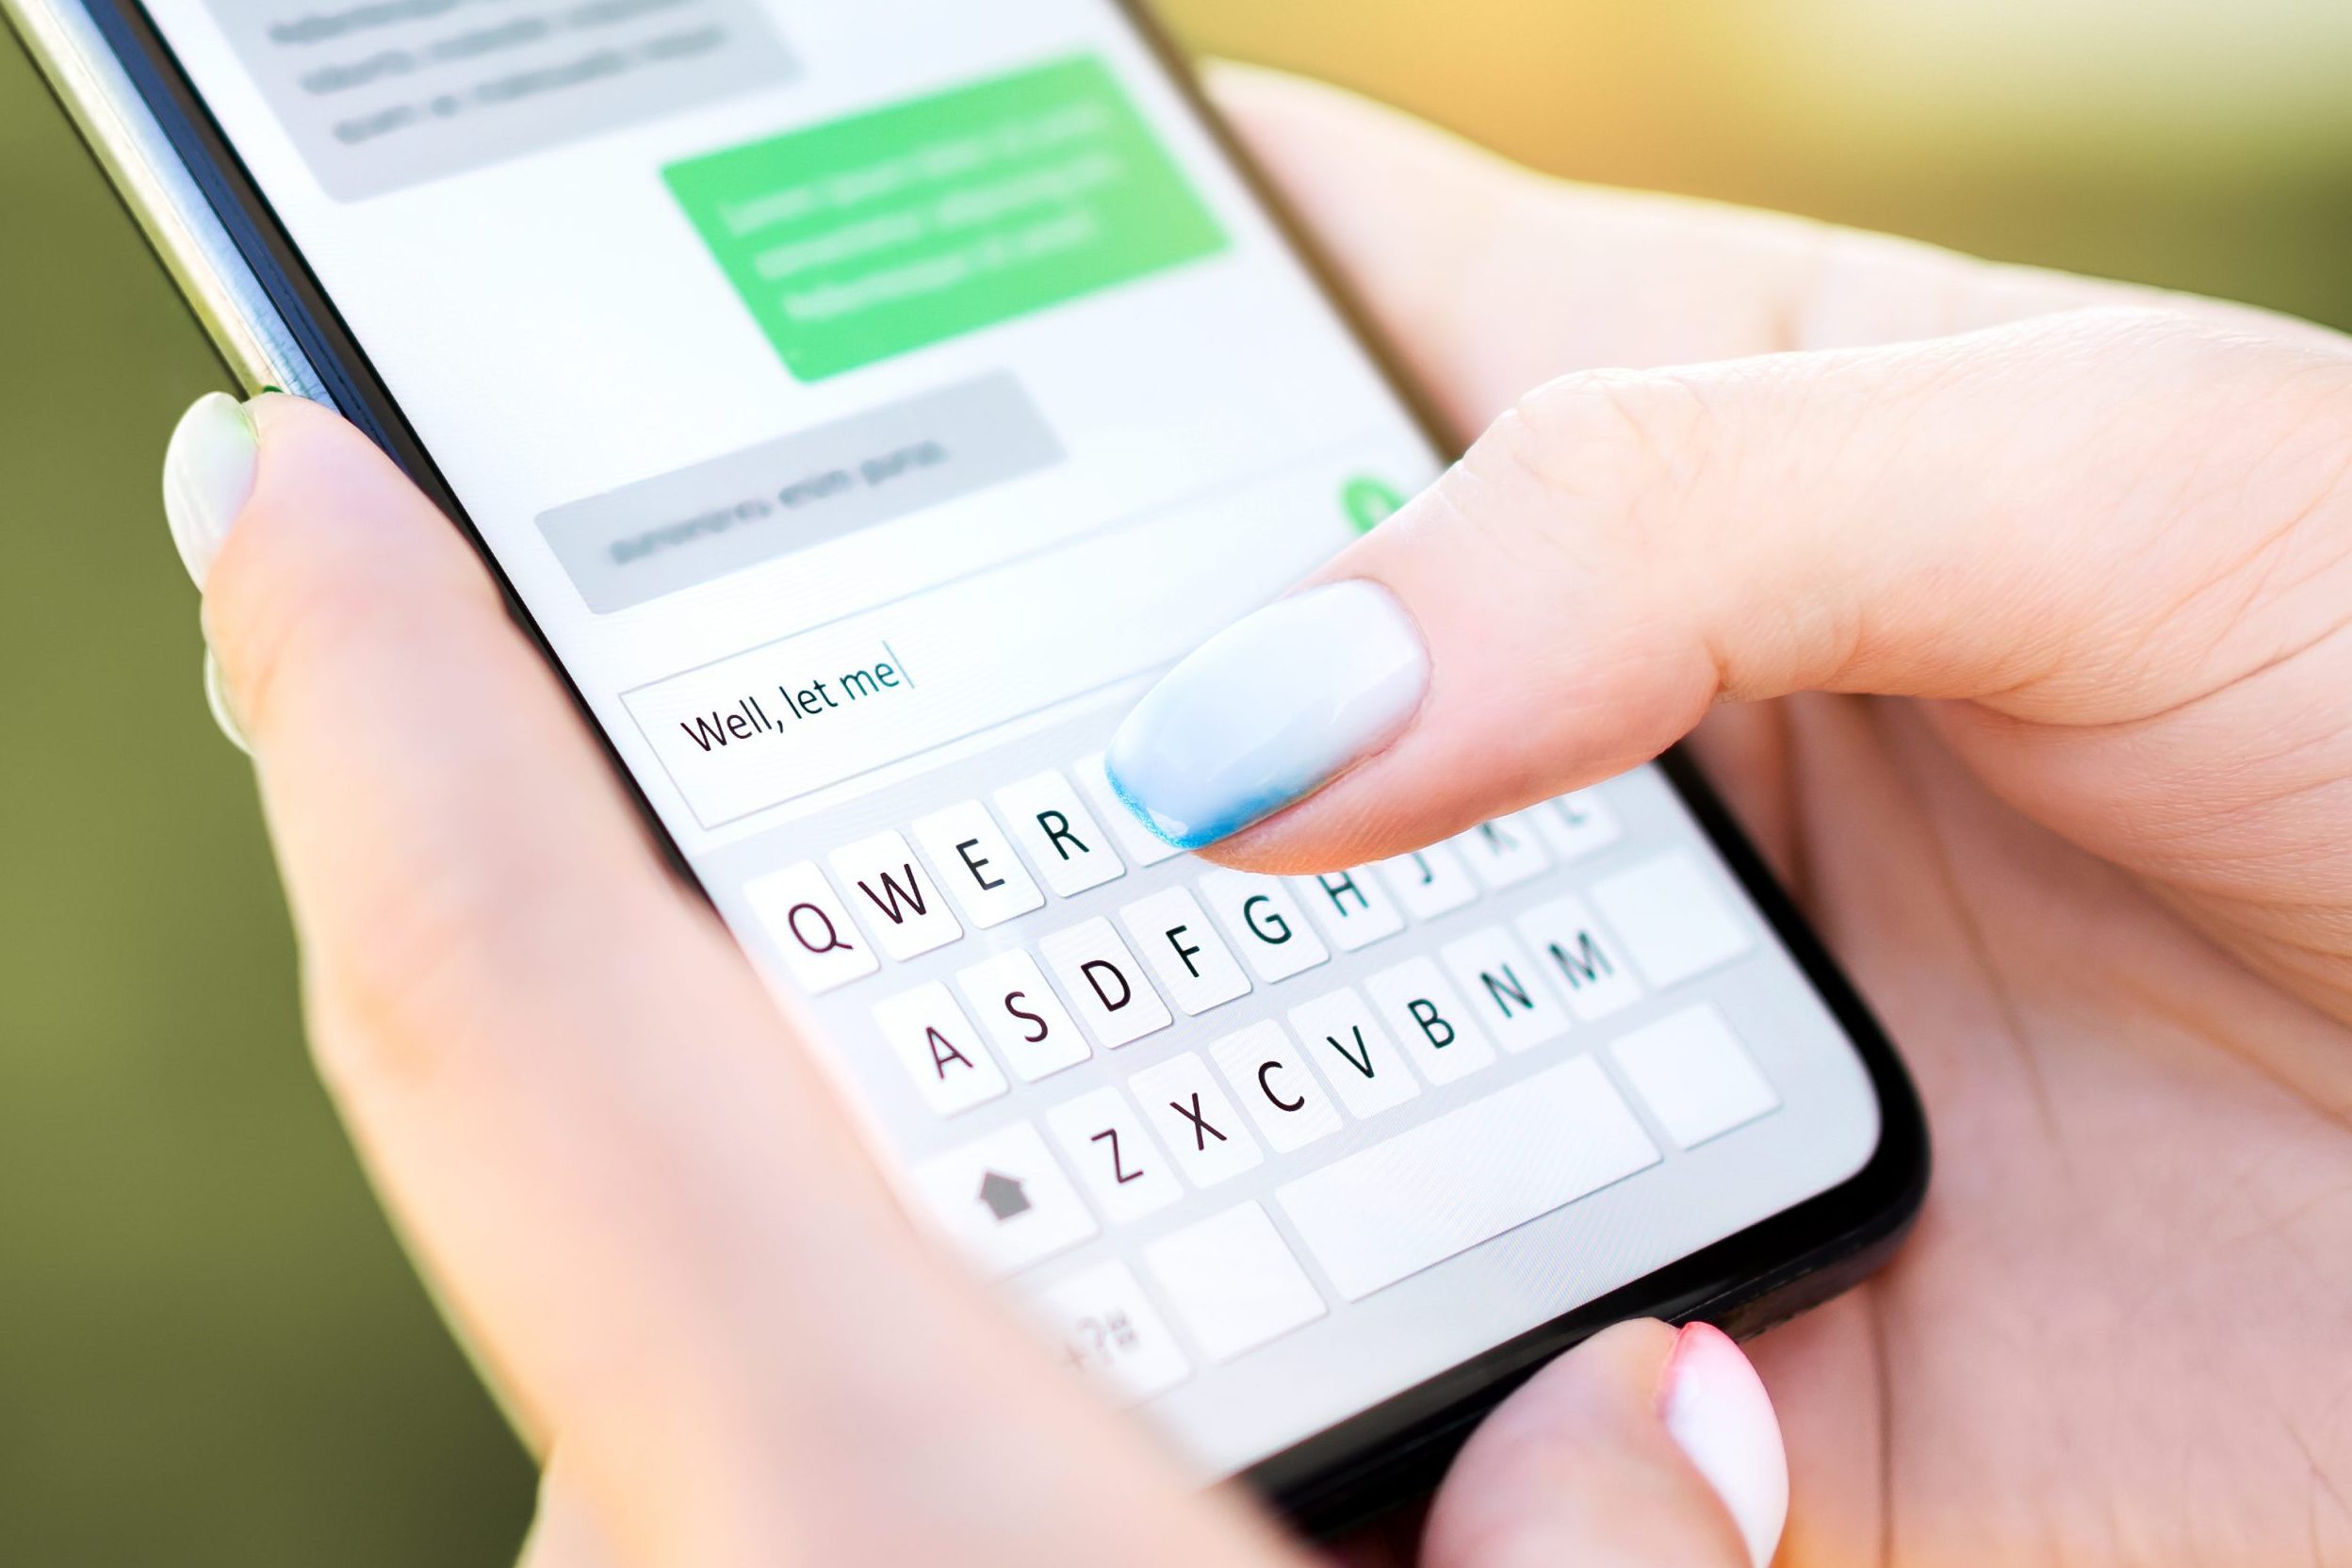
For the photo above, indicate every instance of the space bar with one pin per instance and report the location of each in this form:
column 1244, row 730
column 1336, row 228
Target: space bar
column 1440, row 1188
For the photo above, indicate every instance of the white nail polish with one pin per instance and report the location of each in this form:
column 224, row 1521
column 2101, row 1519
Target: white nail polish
column 216, row 699
column 1268, row 709
column 207, row 473
column 1716, row 1411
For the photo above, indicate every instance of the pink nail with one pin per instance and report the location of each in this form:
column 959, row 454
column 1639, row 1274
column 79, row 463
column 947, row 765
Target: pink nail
column 1715, row 1410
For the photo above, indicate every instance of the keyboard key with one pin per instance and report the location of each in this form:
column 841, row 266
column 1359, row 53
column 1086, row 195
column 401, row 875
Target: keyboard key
column 1504, row 852
column 1114, row 1155
column 1141, row 846
column 1264, row 921
column 1022, row 1014
column 1004, row 1200
column 942, row 1051
column 1690, row 1070
column 1576, row 824
column 1504, row 988
column 1192, row 961
column 1270, row 1077
column 1350, row 905
column 1672, row 918
column 1428, row 882
column 810, row 926
column 1344, row 1038
column 1233, row 1281
column 1383, row 1214
column 1104, row 984
column 976, row 861
column 901, row 903
column 1422, row 1010
column 1110, row 1331
column 1061, row 837
column 1570, row 947
column 1195, row 1119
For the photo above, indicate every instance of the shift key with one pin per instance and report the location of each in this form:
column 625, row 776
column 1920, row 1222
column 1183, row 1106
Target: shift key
column 1390, row 1211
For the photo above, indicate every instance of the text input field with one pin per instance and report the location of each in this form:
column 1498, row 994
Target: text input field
column 760, row 727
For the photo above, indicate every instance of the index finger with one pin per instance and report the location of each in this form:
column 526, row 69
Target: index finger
column 1490, row 279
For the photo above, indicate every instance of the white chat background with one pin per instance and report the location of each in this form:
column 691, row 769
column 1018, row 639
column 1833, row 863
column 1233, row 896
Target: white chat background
column 572, row 335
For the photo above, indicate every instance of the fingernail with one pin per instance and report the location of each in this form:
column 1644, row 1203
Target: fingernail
column 216, row 699
column 1267, row 710
column 207, row 473
column 1716, row 1411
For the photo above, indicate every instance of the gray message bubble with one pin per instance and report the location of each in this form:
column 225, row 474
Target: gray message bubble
column 381, row 94
column 658, row 535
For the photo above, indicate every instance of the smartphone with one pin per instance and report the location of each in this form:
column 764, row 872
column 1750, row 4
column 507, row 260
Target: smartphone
column 860, row 404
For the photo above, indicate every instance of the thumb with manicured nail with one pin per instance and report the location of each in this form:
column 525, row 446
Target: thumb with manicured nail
column 1643, row 1447
column 208, row 472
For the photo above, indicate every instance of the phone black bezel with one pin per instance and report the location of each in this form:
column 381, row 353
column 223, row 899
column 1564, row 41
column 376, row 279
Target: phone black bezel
column 1391, row 1452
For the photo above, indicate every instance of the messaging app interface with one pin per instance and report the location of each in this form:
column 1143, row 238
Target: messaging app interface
column 867, row 401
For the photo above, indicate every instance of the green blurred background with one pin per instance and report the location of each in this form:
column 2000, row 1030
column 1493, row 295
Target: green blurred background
column 211, row 1349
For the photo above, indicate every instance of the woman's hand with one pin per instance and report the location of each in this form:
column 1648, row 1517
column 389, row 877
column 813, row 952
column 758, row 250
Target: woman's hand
column 2096, row 874
column 2121, row 1332
column 635, row 1194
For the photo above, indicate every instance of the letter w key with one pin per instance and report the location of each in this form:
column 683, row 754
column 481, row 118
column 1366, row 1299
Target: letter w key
column 913, row 917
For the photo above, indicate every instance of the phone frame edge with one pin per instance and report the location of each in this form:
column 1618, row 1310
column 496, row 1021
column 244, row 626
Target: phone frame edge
column 151, row 177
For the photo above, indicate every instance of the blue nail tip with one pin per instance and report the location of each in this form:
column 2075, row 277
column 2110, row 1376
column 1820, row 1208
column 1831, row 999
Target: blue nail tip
column 1177, row 837
column 1144, row 814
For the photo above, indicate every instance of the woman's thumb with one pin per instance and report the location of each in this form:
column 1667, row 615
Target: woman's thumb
column 1641, row 1449
column 2074, row 521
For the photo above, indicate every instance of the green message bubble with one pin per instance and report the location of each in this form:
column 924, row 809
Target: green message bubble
column 867, row 237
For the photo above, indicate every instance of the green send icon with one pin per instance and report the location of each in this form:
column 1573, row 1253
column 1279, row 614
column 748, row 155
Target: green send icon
column 1368, row 502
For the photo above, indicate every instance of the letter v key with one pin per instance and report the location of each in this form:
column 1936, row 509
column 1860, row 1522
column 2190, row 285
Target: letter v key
column 1354, row 1054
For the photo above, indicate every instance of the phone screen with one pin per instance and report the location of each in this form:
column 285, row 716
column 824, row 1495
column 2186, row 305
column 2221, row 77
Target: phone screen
column 867, row 401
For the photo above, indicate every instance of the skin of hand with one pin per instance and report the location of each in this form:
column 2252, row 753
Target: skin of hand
column 2088, row 851
column 2087, row 858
